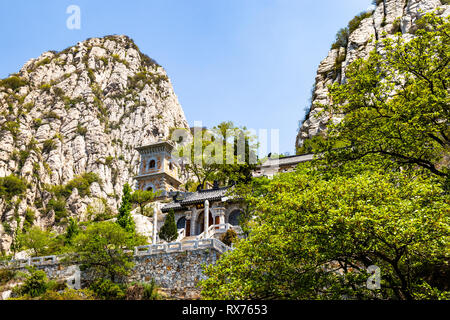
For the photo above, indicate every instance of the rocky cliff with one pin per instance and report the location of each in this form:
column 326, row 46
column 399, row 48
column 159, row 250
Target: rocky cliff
column 69, row 123
column 390, row 17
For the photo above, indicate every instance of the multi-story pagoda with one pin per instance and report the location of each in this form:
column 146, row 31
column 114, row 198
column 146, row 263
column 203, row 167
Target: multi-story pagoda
column 158, row 171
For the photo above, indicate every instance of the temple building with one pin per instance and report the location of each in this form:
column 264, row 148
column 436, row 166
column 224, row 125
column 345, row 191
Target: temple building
column 272, row 166
column 202, row 214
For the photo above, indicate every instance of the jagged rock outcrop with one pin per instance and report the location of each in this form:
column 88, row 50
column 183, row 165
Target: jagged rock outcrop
column 390, row 16
column 78, row 111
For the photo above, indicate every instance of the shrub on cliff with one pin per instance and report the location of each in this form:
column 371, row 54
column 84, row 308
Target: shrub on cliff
column 13, row 82
column 11, row 186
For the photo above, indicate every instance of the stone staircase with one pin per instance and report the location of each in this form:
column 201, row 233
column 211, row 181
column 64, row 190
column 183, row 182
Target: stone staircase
column 188, row 238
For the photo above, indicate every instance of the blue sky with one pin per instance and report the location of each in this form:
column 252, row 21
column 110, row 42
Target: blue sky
column 252, row 62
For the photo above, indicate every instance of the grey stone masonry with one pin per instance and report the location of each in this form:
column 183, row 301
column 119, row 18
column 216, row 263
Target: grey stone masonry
column 175, row 267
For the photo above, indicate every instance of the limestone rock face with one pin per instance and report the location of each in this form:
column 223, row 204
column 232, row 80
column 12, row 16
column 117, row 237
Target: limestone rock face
column 383, row 19
column 84, row 109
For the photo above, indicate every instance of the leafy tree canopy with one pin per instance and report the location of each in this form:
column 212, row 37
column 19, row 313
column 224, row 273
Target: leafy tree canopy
column 105, row 249
column 313, row 238
column 396, row 103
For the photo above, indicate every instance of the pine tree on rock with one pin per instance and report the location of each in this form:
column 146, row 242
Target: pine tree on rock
column 169, row 231
column 124, row 218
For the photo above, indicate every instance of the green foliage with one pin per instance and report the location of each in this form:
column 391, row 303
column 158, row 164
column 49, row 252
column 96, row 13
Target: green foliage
column 11, row 186
column 58, row 92
column 229, row 237
column 29, row 218
column 103, row 250
column 109, row 160
column 11, row 126
column 105, row 60
column 72, row 231
column 142, row 291
column 69, row 294
column 6, row 275
column 58, row 205
column 142, row 197
column 42, row 62
column 37, row 123
column 168, row 231
column 45, row 87
column 51, row 115
column 107, row 290
column 341, row 39
column 49, row 145
column 317, row 143
column 149, row 62
column 82, row 183
column 124, row 218
column 307, row 227
column 343, row 34
column 7, row 228
column 396, row 26
column 99, row 210
column 224, row 153
column 37, row 240
column 356, row 21
column 396, row 104
column 36, row 283
column 13, row 83
column 81, row 130
column 117, row 58
column 139, row 80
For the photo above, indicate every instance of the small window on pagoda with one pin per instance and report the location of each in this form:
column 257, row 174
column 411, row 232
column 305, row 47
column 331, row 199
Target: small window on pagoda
column 152, row 164
column 171, row 166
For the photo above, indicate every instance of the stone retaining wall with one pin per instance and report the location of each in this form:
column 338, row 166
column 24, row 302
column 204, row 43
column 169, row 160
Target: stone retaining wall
column 176, row 273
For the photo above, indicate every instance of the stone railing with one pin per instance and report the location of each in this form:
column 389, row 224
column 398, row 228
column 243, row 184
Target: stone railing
column 217, row 229
column 181, row 246
column 138, row 251
column 36, row 261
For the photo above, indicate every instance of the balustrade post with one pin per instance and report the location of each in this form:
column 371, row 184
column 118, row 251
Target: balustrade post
column 155, row 222
column 206, row 219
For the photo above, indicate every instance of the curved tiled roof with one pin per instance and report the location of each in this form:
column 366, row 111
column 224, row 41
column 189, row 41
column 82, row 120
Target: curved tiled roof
column 196, row 197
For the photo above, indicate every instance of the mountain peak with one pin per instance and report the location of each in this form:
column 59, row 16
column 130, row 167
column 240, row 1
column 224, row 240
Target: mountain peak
column 82, row 110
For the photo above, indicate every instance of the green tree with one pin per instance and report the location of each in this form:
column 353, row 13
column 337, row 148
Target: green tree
column 36, row 283
column 124, row 219
column 105, row 249
column 224, row 153
column 314, row 238
column 37, row 240
column 396, row 103
column 169, row 231
column 244, row 153
column 142, row 197
column 72, row 231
